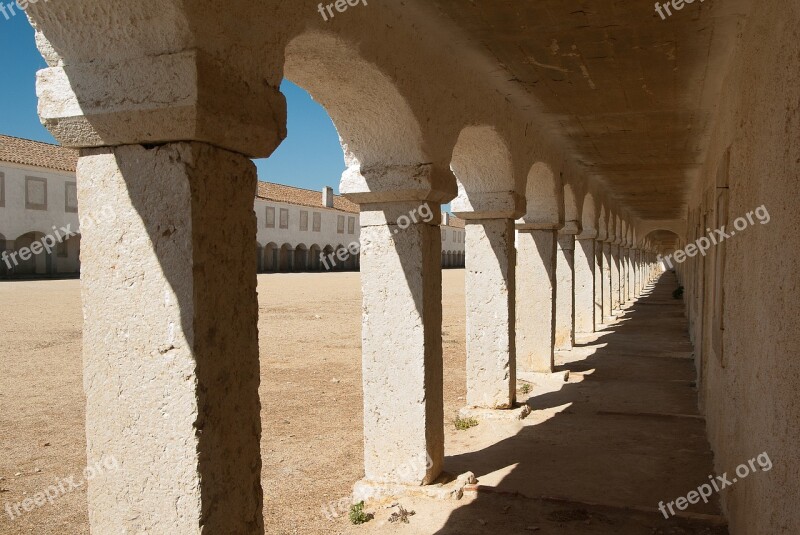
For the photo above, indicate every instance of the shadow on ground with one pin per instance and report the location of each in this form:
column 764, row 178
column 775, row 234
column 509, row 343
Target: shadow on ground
column 625, row 434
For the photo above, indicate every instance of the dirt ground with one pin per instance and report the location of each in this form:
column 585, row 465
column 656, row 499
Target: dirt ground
column 548, row 475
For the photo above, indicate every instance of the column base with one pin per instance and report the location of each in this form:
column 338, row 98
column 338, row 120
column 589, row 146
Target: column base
column 519, row 412
column 446, row 487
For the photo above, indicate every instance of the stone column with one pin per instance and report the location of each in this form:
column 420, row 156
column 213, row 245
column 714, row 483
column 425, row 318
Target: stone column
column 584, row 283
column 170, row 339
column 168, row 282
column 599, row 287
column 565, row 291
column 490, row 299
column 615, row 278
column 401, row 343
column 623, row 275
column 632, row 294
column 608, row 298
column 536, row 298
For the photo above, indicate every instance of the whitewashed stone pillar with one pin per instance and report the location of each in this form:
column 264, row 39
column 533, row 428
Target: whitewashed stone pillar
column 623, row 275
column 490, row 296
column 599, row 286
column 401, row 343
column 536, row 298
column 584, row 282
column 631, row 274
column 615, row 278
column 608, row 291
column 168, row 282
column 401, row 324
column 565, row 288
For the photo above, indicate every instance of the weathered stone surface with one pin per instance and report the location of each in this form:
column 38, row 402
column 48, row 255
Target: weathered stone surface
column 491, row 301
column 536, row 299
column 565, row 293
column 401, row 281
column 171, row 369
column 584, row 285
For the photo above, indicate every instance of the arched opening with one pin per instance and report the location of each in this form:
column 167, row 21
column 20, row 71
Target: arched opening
column 314, row 260
column 301, row 258
column 544, row 198
column 286, row 261
column 26, row 263
column 329, row 258
column 271, row 258
column 259, row 258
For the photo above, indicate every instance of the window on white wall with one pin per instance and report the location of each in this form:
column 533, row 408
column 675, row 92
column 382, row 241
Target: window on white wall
column 303, row 220
column 35, row 193
column 317, row 221
column 351, row 225
column 270, row 217
column 71, row 197
column 340, row 224
column 2, row 189
column 284, row 218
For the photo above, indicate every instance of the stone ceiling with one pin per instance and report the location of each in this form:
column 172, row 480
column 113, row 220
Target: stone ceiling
column 634, row 95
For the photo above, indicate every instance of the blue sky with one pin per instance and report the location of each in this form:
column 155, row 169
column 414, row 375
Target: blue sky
column 310, row 157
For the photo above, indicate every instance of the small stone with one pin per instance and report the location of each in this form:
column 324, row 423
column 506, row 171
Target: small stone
column 38, row 470
column 335, row 380
column 317, row 317
column 566, row 376
column 18, row 474
column 45, row 444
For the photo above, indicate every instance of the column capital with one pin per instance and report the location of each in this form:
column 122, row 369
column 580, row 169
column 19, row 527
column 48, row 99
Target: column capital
column 571, row 228
column 184, row 96
column 488, row 205
column 392, row 183
column 587, row 235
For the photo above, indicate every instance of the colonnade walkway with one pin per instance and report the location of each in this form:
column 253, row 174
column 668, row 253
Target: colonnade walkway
column 601, row 449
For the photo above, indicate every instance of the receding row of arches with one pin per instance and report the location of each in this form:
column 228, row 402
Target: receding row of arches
column 19, row 257
column 453, row 259
column 288, row 258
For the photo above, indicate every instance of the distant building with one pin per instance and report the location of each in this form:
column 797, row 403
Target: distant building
column 298, row 229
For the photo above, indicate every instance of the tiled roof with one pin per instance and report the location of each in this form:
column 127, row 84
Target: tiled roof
column 37, row 154
column 303, row 197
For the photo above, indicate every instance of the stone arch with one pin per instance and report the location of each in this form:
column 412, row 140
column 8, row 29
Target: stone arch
column 645, row 227
column 380, row 134
column 572, row 206
column 286, row 258
column 271, row 257
column 589, row 216
column 314, row 260
column 663, row 240
column 483, row 166
column 544, row 198
column 341, row 265
column 330, row 258
column 300, row 258
column 35, row 264
column 259, row 257
column 602, row 223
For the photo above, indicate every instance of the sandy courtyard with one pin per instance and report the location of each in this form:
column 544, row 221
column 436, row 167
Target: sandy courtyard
column 310, row 340
column 595, row 457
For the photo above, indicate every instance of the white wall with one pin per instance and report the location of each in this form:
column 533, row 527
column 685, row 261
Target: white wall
column 16, row 220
